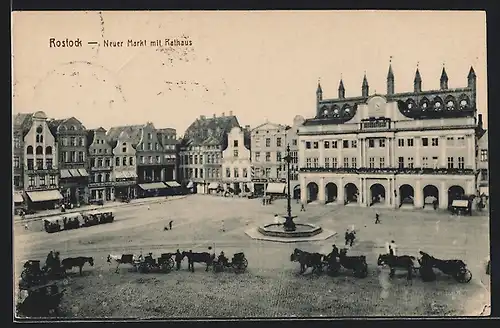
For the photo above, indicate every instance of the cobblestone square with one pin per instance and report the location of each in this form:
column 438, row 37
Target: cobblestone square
column 271, row 286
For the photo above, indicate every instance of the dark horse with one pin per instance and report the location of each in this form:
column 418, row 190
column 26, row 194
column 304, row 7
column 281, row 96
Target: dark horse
column 403, row 261
column 307, row 260
column 456, row 268
column 71, row 262
column 355, row 263
column 203, row 257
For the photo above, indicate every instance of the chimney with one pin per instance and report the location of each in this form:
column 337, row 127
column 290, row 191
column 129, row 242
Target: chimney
column 230, row 113
column 223, row 114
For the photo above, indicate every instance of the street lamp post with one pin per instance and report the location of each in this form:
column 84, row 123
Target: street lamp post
column 289, row 225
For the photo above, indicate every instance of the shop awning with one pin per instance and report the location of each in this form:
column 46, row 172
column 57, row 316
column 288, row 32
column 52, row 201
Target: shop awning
column 172, row 184
column 18, row 197
column 43, row 196
column 151, row 186
column 65, row 174
column 75, row 173
column 276, row 188
column 83, row 172
column 460, row 203
column 213, row 185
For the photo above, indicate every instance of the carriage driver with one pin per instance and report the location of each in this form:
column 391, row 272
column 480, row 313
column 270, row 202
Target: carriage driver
column 222, row 258
column 178, row 259
column 391, row 248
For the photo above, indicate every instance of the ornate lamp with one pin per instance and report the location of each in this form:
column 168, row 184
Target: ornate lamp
column 289, row 225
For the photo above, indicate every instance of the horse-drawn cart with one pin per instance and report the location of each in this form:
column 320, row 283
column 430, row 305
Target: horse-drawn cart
column 455, row 268
column 238, row 263
column 40, row 300
column 164, row 263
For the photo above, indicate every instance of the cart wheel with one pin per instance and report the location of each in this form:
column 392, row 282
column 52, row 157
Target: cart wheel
column 170, row 264
column 464, row 276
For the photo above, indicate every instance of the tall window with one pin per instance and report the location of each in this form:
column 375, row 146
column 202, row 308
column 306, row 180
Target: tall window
column 30, row 163
column 201, row 173
column 409, row 142
column 294, row 142
column 327, row 162
column 326, row 144
column 17, row 141
column 334, row 144
column 42, row 180
column 461, row 162
column 158, row 159
column 99, row 162
column 52, row 180
column 484, row 155
column 16, row 162
column 82, row 142
column 425, row 162
column 354, row 143
column 278, row 156
column 372, row 162
column 245, row 172
column 81, row 157
column 401, row 162
column 346, row 162
column 381, row 143
column 228, row 172
column 435, row 161
column 345, row 143
column 268, row 172
column 425, row 142
column 268, row 156
column 371, row 143
column 381, row 162
column 31, row 181
column 124, row 161
column 315, row 145
column 236, row 173
column 353, row 162
column 235, row 153
column 435, row 142
column 257, row 156
column 268, row 142
column 308, row 162
column 315, row 162
column 278, row 142
column 72, row 141
column 308, row 145
column 450, row 162
column 334, row 162
column 410, row 162
column 117, row 161
column 39, row 163
column 196, row 173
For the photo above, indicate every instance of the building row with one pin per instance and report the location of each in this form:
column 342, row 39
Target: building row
column 60, row 161
column 424, row 147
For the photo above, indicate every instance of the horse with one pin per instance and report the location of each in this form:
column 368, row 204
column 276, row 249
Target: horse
column 456, row 268
column 307, row 260
column 403, row 261
column 121, row 259
column 71, row 262
column 355, row 263
column 203, row 257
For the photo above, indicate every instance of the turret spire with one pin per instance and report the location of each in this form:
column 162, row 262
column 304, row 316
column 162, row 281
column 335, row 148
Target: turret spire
column 365, row 87
column 444, row 79
column 341, row 89
column 417, row 82
column 390, row 79
column 319, row 92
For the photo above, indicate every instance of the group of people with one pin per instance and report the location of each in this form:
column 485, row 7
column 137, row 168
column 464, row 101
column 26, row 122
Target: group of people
column 221, row 258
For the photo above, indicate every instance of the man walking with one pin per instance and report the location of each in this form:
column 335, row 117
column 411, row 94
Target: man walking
column 377, row 218
column 170, row 224
column 302, row 207
column 347, row 237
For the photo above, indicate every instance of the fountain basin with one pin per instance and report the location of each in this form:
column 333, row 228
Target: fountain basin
column 302, row 230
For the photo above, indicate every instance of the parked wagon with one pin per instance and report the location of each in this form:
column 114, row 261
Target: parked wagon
column 91, row 218
column 53, row 224
column 238, row 263
column 40, row 301
column 149, row 265
column 455, row 268
column 72, row 221
column 106, row 216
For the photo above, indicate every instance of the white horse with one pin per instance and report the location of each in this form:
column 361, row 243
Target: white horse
column 123, row 259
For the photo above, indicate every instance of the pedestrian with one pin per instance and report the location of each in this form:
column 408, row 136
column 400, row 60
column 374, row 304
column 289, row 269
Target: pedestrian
column 222, row 226
column 170, row 224
column 377, row 218
column 149, row 207
column 352, row 236
column 26, row 226
column 178, row 259
column 346, row 237
column 393, row 248
column 302, row 207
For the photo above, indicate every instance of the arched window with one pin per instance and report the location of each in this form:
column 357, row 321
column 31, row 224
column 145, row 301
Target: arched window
column 438, row 104
column 41, row 138
column 450, row 103
column 463, row 102
column 29, row 150
column 336, row 111
column 107, row 177
column 39, row 150
column 48, row 150
column 72, row 128
column 37, row 138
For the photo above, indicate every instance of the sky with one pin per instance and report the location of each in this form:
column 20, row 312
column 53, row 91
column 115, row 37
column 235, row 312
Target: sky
column 262, row 66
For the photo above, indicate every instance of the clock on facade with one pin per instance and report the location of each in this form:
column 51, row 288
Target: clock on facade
column 39, row 129
column 376, row 107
